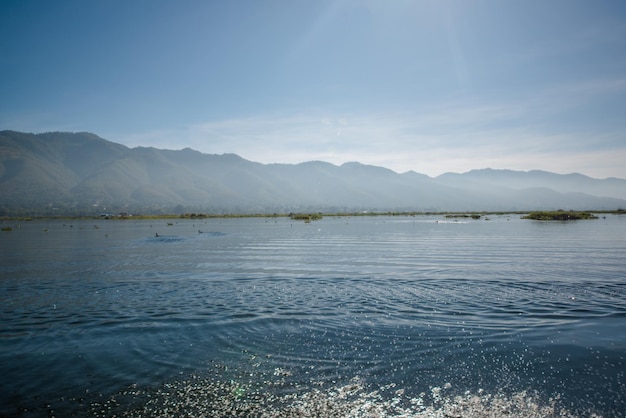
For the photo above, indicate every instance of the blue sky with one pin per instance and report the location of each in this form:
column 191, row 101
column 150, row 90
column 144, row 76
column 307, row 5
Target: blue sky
column 429, row 86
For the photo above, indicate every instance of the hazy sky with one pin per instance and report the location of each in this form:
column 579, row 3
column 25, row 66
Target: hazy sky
column 429, row 86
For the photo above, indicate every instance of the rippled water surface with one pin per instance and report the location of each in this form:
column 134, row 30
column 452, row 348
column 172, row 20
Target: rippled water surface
column 89, row 308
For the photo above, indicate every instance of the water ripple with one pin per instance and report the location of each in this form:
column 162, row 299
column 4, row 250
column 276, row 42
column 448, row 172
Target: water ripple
column 504, row 303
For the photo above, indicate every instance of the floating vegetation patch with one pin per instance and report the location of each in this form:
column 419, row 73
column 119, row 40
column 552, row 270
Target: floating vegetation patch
column 464, row 215
column 306, row 217
column 227, row 398
column 559, row 215
column 7, row 229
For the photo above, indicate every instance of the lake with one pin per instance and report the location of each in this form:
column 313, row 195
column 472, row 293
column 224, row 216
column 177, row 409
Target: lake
column 351, row 316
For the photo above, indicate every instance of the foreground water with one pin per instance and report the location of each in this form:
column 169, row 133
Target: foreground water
column 347, row 316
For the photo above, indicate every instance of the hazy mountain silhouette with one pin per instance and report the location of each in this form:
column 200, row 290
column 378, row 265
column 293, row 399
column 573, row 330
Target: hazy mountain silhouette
column 81, row 173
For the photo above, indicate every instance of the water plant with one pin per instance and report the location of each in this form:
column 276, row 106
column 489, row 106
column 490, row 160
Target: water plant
column 464, row 215
column 306, row 217
column 559, row 215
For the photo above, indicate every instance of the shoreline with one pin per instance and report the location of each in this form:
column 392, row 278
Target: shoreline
column 298, row 215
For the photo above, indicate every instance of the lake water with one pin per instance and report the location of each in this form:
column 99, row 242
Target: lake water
column 356, row 315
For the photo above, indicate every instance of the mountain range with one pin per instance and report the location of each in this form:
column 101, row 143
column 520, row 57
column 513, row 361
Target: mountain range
column 82, row 174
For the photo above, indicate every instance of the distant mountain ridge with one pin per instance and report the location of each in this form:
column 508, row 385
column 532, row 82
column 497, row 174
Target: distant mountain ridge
column 81, row 173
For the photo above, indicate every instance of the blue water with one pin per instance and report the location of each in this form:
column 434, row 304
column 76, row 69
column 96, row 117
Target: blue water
column 90, row 307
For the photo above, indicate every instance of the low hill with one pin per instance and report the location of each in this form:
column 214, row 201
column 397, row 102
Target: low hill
column 81, row 173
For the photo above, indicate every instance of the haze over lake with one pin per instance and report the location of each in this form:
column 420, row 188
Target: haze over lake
column 63, row 173
column 274, row 313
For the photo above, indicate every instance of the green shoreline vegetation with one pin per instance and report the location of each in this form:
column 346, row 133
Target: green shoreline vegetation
column 558, row 215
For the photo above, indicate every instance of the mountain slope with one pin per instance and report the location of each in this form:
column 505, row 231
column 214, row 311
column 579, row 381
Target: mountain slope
column 81, row 173
column 575, row 183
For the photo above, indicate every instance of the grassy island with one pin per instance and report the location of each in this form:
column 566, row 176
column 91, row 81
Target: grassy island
column 306, row 217
column 559, row 215
column 464, row 215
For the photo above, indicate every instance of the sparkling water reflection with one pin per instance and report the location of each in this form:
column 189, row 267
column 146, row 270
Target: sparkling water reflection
column 416, row 302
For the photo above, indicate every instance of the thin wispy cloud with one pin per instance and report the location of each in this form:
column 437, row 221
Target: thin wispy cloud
column 456, row 136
